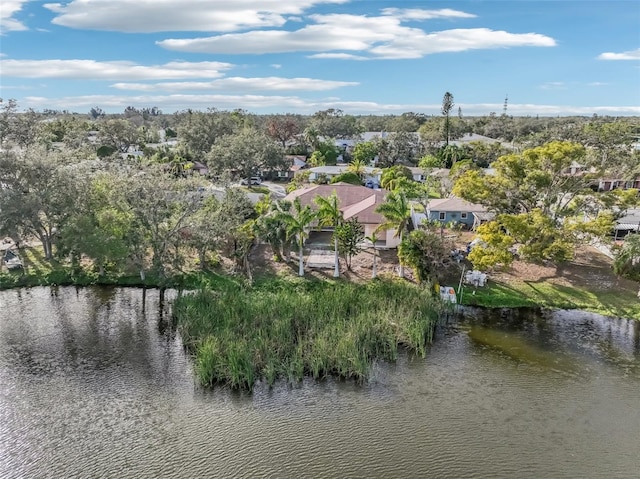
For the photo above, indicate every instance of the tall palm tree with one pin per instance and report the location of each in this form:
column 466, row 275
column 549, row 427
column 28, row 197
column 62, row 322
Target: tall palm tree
column 329, row 214
column 397, row 214
column 298, row 221
column 373, row 239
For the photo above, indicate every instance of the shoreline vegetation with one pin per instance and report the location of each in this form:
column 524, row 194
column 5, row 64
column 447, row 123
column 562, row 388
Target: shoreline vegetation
column 614, row 300
column 291, row 328
column 283, row 327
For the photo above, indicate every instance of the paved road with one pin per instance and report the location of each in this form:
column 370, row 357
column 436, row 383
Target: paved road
column 277, row 189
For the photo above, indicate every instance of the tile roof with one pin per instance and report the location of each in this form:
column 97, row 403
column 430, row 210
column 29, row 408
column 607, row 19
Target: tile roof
column 454, row 204
column 355, row 201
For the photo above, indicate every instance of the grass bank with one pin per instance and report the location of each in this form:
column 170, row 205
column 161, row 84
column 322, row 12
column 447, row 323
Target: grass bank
column 40, row 272
column 617, row 302
column 289, row 328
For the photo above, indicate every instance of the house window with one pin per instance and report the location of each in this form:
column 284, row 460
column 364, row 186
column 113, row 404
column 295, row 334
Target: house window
column 442, row 215
column 463, row 216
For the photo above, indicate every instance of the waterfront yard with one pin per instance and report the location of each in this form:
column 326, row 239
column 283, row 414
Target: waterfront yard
column 587, row 283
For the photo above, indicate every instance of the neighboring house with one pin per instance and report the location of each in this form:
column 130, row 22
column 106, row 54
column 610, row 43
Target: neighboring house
column 373, row 135
column 471, row 137
column 629, row 223
column 576, row 169
column 355, row 202
column 371, row 174
column 419, row 173
column 457, row 210
column 345, row 144
column 609, row 184
column 294, row 163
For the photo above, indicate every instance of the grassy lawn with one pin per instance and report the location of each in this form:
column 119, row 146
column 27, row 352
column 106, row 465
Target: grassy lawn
column 618, row 303
column 255, row 189
column 588, row 283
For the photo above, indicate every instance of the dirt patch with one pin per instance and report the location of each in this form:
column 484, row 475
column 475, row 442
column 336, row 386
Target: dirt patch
column 262, row 259
column 590, row 269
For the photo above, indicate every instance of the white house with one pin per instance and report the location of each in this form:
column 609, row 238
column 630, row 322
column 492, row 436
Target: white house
column 371, row 174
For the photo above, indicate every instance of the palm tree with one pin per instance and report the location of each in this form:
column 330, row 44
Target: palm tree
column 397, row 213
column 311, row 137
column 271, row 225
column 329, row 214
column 626, row 262
column 298, row 221
column 395, row 177
column 373, row 239
column 358, row 167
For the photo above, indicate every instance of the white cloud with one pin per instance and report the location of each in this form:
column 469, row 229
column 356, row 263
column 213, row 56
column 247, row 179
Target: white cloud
column 18, row 87
column 241, row 84
column 277, row 66
column 263, row 103
column 553, row 85
column 145, row 16
column 338, row 56
column 459, row 40
column 630, row 55
column 177, row 101
column 597, row 83
column 419, row 14
column 524, row 109
column 382, row 37
column 110, row 70
column 7, row 11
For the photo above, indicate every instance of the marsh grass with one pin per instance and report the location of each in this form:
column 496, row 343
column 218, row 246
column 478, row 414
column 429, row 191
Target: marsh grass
column 288, row 329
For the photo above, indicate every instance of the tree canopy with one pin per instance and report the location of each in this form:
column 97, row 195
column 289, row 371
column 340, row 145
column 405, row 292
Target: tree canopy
column 246, row 153
column 541, row 206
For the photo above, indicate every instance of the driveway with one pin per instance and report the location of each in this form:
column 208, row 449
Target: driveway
column 277, row 189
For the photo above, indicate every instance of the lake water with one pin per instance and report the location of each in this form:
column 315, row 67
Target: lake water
column 94, row 382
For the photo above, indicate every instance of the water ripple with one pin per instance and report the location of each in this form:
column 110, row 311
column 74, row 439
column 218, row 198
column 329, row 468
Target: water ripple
column 95, row 383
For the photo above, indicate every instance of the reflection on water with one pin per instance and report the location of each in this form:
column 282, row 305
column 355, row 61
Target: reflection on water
column 521, row 349
column 94, row 382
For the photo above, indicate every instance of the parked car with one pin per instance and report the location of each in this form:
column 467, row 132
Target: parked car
column 254, row 180
column 12, row 260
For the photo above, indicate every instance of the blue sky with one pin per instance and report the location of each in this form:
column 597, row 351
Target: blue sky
column 361, row 56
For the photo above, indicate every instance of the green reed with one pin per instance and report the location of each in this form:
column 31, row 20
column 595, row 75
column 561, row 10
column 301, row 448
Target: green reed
column 291, row 329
